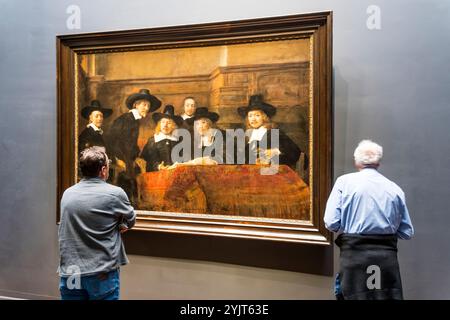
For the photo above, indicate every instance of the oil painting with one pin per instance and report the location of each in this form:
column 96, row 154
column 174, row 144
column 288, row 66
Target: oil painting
column 223, row 131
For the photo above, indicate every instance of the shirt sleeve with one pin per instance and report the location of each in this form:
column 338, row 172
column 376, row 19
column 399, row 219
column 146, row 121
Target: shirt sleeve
column 405, row 230
column 124, row 210
column 333, row 212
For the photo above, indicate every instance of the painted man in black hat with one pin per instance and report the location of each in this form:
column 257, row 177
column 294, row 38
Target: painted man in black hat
column 123, row 137
column 208, row 140
column 92, row 135
column 259, row 147
column 158, row 150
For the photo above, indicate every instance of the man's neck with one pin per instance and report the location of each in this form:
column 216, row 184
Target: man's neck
column 100, row 177
column 367, row 166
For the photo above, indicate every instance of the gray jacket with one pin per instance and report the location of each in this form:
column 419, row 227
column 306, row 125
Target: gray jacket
column 89, row 237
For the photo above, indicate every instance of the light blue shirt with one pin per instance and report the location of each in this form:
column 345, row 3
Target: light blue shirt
column 366, row 202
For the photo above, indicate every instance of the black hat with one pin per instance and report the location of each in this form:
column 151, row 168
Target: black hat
column 202, row 112
column 169, row 113
column 144, row 94
column 95, row 106
column 256, row 103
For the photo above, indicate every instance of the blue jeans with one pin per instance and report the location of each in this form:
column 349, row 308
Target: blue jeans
column 101, row 286
column 337, row 287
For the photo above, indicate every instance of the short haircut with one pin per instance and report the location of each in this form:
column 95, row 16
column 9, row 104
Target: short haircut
column 368, row 153
column 92, row 160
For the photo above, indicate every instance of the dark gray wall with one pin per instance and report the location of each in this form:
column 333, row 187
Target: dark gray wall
column 391, row 85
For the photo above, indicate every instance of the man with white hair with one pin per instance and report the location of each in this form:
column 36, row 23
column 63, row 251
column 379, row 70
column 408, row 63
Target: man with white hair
column 369, row 213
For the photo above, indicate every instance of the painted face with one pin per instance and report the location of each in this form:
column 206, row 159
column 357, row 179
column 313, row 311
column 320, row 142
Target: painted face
column 142, row 106
column 255, row 118
column 189, row 107
column 202, row 125
column 167, row 125
column 96, row 118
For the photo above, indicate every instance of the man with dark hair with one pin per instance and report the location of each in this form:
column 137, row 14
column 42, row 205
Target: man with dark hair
column 93, row 216
column 189, row 107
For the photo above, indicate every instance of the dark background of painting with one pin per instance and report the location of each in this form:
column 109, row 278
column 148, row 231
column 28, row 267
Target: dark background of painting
column 390, row 85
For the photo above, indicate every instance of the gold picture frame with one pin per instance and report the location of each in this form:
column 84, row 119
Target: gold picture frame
column 287, row 60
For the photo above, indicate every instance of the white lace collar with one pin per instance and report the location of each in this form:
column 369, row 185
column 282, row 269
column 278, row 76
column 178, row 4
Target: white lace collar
column 96, row 129
column 185, row 116
column 257, row 134
column 161, row 136
column 136, row 114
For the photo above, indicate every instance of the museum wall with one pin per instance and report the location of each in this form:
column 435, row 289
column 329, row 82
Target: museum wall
column 390, row 84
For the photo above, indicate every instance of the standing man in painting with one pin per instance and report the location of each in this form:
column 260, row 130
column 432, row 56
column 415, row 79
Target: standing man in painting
column 189, row 107
column 123, row 137
column 370, row 213
column 93, row 216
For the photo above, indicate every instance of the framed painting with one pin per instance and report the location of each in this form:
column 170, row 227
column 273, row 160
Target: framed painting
column 218, row 129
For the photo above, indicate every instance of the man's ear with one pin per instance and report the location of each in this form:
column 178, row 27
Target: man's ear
column 103, row 171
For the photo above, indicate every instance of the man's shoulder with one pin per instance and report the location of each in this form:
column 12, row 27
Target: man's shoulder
column 124, row 117
column 86, row 132
column 100, row 187
column 71, row 189
column 347, row 177
column 151, row 140
column 395, row 187
column 113, row 190
column 115, row 193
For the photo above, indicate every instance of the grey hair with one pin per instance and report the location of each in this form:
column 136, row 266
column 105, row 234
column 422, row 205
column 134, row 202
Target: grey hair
column 92, row 160
column 368, row 153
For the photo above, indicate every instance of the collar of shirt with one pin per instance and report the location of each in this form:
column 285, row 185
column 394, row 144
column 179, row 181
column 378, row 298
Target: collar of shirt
column 369, row 171
column 257, row 134
column 185, row 116
column 92, row 179
column 136, row 114
column 207, row 139
column 97, row 129
column 161, row 136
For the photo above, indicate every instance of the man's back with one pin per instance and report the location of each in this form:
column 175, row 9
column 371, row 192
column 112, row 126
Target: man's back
column 370, row 213
column 366, row 202
column 89, row 236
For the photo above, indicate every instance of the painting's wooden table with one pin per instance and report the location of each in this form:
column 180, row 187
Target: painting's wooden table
column 226, row 190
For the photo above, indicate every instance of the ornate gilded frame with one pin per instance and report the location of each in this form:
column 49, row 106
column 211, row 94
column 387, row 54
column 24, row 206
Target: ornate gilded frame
column 315, row 26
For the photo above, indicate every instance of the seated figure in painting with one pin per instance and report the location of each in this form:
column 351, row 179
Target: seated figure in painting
column 92, row 135
column 260, row 149
column 158, row 151
column 208, row 140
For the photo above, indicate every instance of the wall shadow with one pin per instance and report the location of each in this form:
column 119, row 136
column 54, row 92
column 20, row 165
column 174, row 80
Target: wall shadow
column 304, row 258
